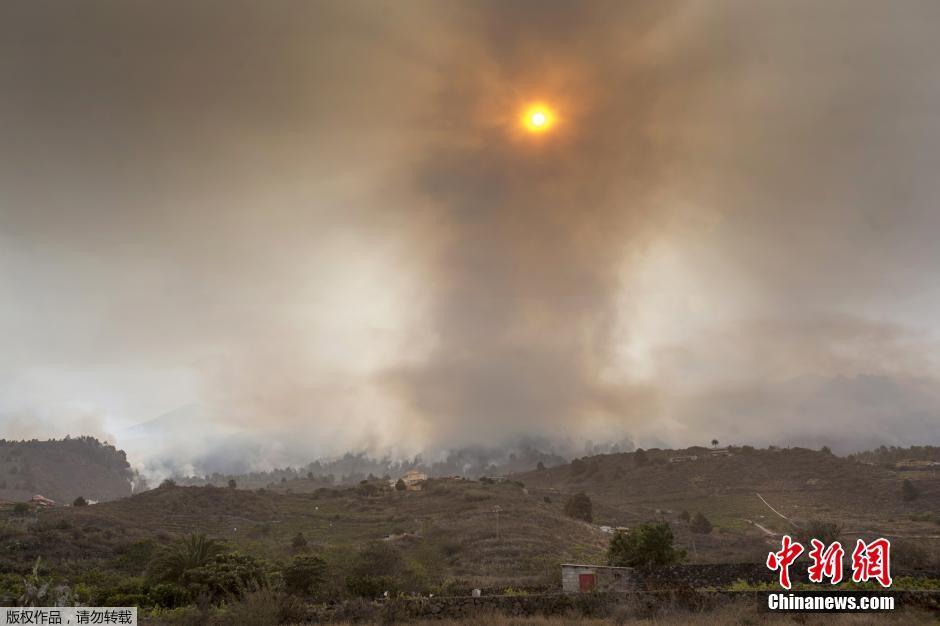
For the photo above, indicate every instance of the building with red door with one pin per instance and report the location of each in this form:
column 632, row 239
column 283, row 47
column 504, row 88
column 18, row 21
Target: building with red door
column 587, row 578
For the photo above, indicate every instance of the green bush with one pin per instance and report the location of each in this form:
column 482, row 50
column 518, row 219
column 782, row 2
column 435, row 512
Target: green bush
column 379, row 559
column 226, row 576
column 80, row 501
column 169, row 595
column 648, row 545
column 579, row 507
column 122, row 592
column 20, row 508
column 368, row 586
column 305, row 575
column 174, row 561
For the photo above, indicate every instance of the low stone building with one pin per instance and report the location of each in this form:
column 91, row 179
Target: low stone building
column 587, row 578
column 413, row 480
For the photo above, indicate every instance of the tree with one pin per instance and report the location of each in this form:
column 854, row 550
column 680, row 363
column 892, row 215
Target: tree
column 80, row 501
column 540, row 467
column 305, row 575
column 400, row 485
column 377, row 569
column 299, row 542
column 20, row 508
column 232, row 484
column 226, row 575
column 578, row 467
column 647, row 545
column 909, row 491
column 685, row 516
column 378, row 558
column 714, row 443
column 579, row 506
column 167, row 482
column 700, row 524
column 640, row 458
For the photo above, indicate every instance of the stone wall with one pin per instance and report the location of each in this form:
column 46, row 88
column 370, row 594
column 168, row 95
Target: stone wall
column 641, row 604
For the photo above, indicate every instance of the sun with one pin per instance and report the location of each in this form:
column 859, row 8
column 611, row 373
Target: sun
column 538, row 118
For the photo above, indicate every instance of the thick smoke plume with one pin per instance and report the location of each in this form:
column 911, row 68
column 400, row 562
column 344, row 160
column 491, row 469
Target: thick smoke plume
column 320, row 227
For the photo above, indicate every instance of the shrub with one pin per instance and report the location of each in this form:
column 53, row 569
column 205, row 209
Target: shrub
column 264, row 606
column 299, row 542
column 910, row 555
column 909, row 491
column 226, row 576
column 167, row 482
column 174, row 561
column 451, row 548
column 232, row 484
column 379, row 559
column 367, row 586
column 685, row 516
column 540, row 466
column 20, row 508
column 648, row 545
column 400, row 485
column 700, row 524
column 368, row 489
column 579, row 507
column 80, row 501
column 825, row 531
column 305, row 575
column 169, row 595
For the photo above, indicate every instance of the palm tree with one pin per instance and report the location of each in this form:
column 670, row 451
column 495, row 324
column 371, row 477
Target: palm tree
column 185, row 554
column 714, row 443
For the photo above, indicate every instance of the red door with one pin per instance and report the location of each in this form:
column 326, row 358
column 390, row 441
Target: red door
column 587, row 582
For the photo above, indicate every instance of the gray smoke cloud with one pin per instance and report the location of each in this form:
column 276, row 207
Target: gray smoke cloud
column 324, row 225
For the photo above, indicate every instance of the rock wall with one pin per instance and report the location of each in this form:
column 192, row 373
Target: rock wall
column 642, row 604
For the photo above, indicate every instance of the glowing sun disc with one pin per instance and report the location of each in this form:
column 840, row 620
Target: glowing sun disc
column 537, row 118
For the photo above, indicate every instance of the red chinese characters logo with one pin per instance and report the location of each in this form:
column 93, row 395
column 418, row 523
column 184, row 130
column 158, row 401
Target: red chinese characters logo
column 870, row 561
column 826, row 563
column 783, row 559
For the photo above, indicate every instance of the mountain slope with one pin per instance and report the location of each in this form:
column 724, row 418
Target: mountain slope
column 63, row 470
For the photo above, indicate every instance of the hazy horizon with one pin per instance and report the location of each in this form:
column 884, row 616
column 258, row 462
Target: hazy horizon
column 324, row 225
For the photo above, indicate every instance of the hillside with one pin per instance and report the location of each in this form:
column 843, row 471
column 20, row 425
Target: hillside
column 801, row 484
column 448, row 531
column 63, row 470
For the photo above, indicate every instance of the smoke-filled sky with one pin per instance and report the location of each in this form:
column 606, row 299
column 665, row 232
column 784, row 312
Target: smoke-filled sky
column 321, row 226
